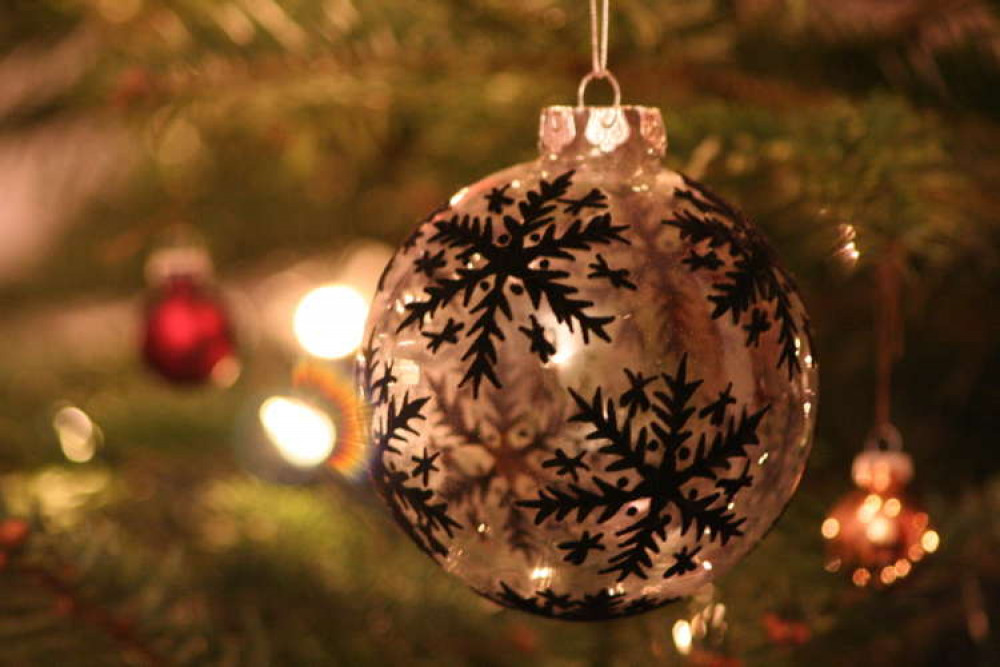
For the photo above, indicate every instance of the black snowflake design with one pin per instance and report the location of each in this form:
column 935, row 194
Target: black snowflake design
column 581, row 548
column 567, row 465
column 617, row 277
column 594, row 199
column 602, row 605
column 495, row 262
column 425, row 466
column 683, row 562
column 663, row 463
column 430, row 521
column 428, row 264
column 498, row 199
column 752, row 280
column 540, row 345
column 447, row 335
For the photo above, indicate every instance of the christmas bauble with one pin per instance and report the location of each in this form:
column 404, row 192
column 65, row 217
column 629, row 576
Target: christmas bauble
column 876, row 532
column 593, row 386
column 187, row 336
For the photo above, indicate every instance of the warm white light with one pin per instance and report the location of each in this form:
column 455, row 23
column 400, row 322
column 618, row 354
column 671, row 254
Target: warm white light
column 930, row 541
column 892, row 507
column 566, row 346
column 541, row 573
column 868, row 509
column 304, row 435
column 76, row 432
column 880, row 530
column 830, row 528
column 330, row 321
column 682, row 637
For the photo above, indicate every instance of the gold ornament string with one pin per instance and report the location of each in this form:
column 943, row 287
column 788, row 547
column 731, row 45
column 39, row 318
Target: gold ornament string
column 599, row 53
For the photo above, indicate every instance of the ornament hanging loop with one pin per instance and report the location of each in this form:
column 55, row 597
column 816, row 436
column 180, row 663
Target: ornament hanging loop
column 599, row 54
column 884, row 437
column 581, row 92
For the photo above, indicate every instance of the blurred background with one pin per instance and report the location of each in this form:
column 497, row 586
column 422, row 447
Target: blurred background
column 165, row 512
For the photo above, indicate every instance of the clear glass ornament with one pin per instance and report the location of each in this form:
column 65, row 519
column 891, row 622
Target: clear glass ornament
column 593, row 387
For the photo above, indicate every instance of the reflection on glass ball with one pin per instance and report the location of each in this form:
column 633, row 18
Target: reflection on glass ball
column 593, row 385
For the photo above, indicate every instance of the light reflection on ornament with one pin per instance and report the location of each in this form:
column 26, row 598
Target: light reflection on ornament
column 457, row 198
column 847, row 248
column 77, row 433
column 330, row 320
column 303, row 434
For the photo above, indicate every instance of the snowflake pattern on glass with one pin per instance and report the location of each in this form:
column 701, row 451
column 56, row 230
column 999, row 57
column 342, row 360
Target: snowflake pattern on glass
column 498, row 262
column 592, row 385
column 663, row 461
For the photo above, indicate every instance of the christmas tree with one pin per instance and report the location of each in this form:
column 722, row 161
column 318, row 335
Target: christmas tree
column 145, row 518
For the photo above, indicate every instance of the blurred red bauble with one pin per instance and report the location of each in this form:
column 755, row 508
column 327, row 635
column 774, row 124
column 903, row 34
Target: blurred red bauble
column 188, row 337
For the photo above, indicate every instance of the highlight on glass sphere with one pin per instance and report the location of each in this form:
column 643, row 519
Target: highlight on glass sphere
column 877, row 532
column 329, row 321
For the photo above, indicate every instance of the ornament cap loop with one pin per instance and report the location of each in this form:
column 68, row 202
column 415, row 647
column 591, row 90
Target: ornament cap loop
column 884, row 437
column 581, row 92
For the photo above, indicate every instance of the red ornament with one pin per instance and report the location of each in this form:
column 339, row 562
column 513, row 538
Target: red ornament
column 785, row 632
column 188, row 338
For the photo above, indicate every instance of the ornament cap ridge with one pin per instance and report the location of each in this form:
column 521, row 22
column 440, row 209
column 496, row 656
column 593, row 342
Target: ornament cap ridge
column 626, row 132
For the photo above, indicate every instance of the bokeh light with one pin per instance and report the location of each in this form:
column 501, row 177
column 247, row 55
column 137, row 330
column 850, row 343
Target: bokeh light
column 303, row 434
column 877, row 538
column 330, row 321
column 77, row 433
column 337, row 397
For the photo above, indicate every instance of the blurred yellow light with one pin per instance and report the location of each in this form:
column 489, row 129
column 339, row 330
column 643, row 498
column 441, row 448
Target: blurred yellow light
column 541, row 573
column 304, row 435
column 930, row 541
column 861, row 577
column 880, row 530
column 892, row 507
column 682, row 637
column 871, row 505
column 330, row 321
column 830, row 528
column 888, row 575
column 902, row 567
column 76, row 432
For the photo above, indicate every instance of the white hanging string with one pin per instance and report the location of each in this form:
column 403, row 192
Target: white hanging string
column 599, row 53
column 599, row 36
